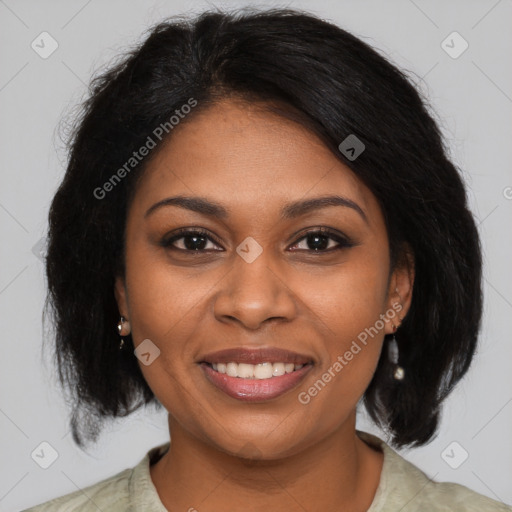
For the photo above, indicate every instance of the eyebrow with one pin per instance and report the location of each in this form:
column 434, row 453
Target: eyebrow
column 289, row 211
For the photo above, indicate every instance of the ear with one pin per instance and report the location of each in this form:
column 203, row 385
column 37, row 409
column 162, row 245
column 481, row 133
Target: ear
column 120, row 293
column 400, row 290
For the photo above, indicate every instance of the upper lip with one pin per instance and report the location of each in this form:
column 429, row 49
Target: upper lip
column 255, row 356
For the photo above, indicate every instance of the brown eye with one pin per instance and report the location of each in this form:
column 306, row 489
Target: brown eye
column 190, row 241
column 322, row 240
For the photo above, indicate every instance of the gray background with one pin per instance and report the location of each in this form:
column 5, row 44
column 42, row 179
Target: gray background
column 471, row 96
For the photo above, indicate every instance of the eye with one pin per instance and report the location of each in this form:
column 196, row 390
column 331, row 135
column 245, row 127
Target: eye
column 191, row 240
column 322, row 240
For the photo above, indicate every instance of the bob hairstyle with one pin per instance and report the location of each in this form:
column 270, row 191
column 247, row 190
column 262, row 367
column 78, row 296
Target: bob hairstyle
column 328, row 80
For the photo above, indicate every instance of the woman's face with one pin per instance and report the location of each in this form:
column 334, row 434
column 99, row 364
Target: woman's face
column 258, row 282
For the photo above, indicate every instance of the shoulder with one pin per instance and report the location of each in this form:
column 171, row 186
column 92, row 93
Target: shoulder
column 403, row 486
column 130, row 489
column 110, row 494
column 418, row 492
column 449, row 497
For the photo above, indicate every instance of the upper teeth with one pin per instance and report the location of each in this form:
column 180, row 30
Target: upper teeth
column 256, row 371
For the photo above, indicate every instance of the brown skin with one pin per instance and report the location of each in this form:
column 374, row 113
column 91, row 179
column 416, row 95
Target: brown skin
column 305, row 457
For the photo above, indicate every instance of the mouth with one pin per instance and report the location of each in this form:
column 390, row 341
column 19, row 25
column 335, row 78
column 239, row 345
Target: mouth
column 255, row 375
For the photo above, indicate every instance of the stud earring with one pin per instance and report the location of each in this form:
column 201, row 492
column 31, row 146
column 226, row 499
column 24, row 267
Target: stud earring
column 123, row 328
column 399, row 372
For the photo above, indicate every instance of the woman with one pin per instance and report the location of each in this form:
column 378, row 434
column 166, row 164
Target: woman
column 262, row 208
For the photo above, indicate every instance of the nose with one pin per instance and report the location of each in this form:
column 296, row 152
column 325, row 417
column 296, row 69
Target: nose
column 254, row 293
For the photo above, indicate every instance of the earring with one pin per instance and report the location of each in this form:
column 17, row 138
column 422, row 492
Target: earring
column 123, row 328
column 399, row 372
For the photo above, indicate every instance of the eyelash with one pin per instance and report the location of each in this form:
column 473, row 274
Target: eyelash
column 343, row 242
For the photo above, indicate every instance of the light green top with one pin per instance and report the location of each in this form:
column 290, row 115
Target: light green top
column 403, row 487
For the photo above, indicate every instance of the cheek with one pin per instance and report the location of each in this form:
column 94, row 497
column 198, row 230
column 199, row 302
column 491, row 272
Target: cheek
column 350, row 306
column 162, row 297
column 351, row 297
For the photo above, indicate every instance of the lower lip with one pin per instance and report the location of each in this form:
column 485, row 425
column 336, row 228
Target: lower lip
column 255, row 390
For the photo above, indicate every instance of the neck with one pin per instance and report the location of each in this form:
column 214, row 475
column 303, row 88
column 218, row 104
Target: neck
column 339, row 473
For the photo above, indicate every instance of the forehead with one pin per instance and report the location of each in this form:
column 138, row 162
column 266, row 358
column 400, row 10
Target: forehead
column 249, row 159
